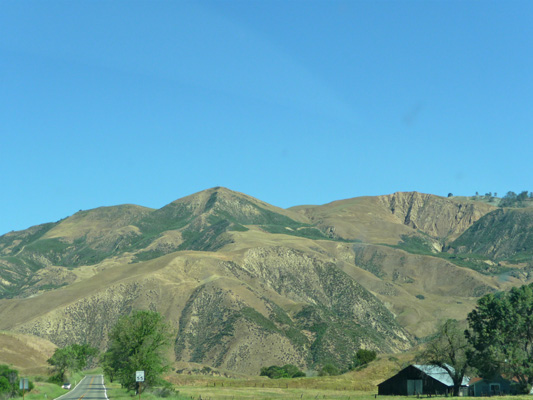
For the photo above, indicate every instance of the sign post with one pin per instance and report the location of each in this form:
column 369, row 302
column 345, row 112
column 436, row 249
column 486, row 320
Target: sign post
column 24, row 385
column 139, row 378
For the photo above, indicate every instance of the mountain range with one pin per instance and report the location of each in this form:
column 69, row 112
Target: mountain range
column 245, row 284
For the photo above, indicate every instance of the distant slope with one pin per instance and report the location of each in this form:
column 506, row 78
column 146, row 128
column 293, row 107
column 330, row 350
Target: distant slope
column 439, row 217
column 504, row 234
column 87, row 237
column 203, row 221
column 385, row 219
column 422, row 291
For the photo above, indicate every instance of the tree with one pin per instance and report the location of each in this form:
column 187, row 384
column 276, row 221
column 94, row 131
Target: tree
column 62, row 360
column 137, row 343
column 363, row 357
column 502, row 335
column 107, row 362
column 9, row 382
column 84, row 355
column 522, row 196
column 287, row 371
column 449, row 350
column 509, row 200
column 74, row 357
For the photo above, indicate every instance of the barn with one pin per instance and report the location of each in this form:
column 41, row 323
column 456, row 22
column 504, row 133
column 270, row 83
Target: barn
column 496, row 386
column 421, row 379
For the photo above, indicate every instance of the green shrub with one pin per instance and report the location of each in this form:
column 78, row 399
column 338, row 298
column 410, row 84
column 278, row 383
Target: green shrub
column 363, row 357
column 329, row 370
column 287, row 371
column 9, row 382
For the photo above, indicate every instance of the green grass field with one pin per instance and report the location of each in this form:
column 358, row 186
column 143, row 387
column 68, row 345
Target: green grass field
column 212, row 388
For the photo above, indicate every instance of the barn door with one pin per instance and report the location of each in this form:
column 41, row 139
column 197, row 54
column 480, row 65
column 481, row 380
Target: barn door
column 414, row 386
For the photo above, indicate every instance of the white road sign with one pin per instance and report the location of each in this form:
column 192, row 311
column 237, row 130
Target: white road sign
column 24, row 384
column 139, row 376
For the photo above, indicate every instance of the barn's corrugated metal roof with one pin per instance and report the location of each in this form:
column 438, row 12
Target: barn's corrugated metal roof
column 440, row 374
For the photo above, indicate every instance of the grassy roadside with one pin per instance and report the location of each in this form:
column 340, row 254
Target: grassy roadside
column 44, row 390
column 115, row 392
column 196, row 388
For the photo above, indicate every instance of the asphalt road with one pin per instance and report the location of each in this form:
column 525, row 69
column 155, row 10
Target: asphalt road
column 90, row 388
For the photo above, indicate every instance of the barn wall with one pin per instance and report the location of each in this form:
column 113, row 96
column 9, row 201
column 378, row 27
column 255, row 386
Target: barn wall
column 397, row 385
column 482, row 388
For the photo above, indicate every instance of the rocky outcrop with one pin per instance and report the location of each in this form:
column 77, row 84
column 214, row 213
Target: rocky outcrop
column 436, row 216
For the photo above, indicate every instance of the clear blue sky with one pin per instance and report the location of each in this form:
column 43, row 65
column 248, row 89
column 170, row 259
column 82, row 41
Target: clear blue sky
column 293, row 102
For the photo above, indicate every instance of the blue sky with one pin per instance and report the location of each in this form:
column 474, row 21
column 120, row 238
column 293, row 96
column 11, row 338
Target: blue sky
column 293, row 102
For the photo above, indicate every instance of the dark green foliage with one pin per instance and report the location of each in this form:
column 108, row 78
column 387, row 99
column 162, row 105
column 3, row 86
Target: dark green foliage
column 137, row 343
column 210, row 238
column 503, row 234
column 336, row 338
column 363, row 357
column 501, row 332
column 214, row 325
column 511, row 199
column 287, row 371
column 416, row 244
column 71, row 358
column 23, row 238
column 171, row 217
column 148, row 255
column 9, row 382
column 420, row 245
column 258, row 318
column 329, row 370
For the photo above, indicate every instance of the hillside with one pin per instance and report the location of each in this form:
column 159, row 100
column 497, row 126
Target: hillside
column 26, row 353
column 385, row 219
column 246, row 284
column 303, row 311
column 504, row 234
column 202, row 221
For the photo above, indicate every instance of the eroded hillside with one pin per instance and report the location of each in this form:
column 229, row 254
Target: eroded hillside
column 386, row 219
column 246, row 284
column 436, row 216
column 268, row 306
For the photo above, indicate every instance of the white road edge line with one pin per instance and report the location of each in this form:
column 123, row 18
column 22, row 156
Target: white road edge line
column 105, row 390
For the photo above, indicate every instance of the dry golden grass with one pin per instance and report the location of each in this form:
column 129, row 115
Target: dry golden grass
column 25, row 352
column 361, row 380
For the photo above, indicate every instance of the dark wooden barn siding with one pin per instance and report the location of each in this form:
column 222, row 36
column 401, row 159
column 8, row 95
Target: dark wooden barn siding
column 397, row 385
